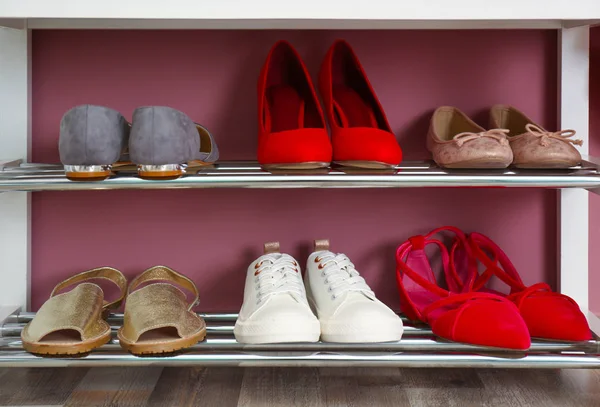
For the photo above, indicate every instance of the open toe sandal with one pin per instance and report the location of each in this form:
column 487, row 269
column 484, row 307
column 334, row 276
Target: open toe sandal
column 158, row 317
column 72, row 322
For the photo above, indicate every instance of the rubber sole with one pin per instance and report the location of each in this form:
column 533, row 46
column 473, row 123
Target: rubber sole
column 341, row 333
column 555, row 164
column 371, row 165
column 161, row 347
column 296, row 166
column 252, row 333
column 88, row 176
column 87, row 172
column 477, row 164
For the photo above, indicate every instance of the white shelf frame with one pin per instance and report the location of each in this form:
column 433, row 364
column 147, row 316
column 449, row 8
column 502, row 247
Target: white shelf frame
column 309, row 14
column 572, row 19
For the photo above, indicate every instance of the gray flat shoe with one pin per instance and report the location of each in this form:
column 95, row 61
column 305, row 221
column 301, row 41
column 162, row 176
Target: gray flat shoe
column 92, row 139
column 165, row 143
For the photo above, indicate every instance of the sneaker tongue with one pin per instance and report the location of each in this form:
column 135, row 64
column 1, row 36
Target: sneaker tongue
column 271, row 257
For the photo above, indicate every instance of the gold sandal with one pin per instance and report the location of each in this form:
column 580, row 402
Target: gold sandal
column 72, row 322
column 158, row 318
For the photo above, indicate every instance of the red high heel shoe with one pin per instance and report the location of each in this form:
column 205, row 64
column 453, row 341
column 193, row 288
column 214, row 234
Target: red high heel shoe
column 291, row 129
column 469, row 317
column 360, row 133
column 548, row 315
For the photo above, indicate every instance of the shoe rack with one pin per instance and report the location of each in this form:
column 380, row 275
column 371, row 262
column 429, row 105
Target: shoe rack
column 20, row 178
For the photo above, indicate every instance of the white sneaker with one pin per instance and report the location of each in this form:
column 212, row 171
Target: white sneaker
column 347, row 308
column 275, row 307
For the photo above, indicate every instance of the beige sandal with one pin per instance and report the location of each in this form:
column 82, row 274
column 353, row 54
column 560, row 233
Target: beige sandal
column 72, row 322
column 158, row 318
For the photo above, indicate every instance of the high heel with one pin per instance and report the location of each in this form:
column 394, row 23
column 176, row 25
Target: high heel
column 475, row 318
column 291, row 126
column 548, row 315
column 360, row 132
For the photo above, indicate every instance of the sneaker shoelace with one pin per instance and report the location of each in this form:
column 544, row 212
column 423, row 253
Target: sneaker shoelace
column 277, row 274
column 341, row 276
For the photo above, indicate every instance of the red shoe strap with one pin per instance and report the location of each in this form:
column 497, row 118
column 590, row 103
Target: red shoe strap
column 508, row 273
column 453, row 279
column 461, row 300
column 536, row 290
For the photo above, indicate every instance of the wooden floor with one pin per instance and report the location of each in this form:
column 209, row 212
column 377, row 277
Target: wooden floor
column 224, row 387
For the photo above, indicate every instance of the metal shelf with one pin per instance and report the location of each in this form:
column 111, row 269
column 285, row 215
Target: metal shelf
column 245, row 174
column 418, row 348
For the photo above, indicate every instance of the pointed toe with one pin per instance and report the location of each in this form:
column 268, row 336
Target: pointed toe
column 555, row 317
column 485, row 322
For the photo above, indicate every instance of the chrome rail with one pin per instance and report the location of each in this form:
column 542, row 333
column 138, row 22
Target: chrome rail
column 418, row 348
column 246, row 174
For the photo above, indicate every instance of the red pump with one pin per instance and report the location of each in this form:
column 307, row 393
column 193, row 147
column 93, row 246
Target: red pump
column 360, row 133
column 291, row 126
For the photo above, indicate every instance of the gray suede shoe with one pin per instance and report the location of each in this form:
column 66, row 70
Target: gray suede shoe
column 92, row 139
column 164, row 142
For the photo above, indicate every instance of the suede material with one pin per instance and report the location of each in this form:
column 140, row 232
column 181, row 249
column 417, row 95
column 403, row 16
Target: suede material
column 548, row 314
column 295, row 146
column 553, row 317
column 292, row 131
column 209, row 151
column 365, row 144
column 487, row 323
column 162, row 135
column 92, row 135
column 355, row 115
column 475, row 318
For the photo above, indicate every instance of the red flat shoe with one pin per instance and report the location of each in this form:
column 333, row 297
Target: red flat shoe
column 548, row 314
column 291, row 129
column 469, row 317
column 360, row 133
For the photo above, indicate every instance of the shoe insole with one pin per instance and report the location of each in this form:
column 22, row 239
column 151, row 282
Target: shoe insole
column 351, row 110
column 62, row 336
column 167, row 333
column 417, row 260
column 285, row 109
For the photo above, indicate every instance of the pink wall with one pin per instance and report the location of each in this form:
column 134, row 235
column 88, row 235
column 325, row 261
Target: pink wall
column 595, row 151
column 212, row 235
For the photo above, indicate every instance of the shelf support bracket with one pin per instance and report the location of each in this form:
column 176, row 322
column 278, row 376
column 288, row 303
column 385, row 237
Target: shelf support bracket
column 573, row 206
column 15, row 141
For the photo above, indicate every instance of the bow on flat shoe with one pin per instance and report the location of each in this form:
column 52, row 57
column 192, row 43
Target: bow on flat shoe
column 456, row 141
column 533, row 146
column 497, row 134
column 544, row 136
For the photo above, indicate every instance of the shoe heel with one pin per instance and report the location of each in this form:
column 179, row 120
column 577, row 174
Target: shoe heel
column 87, row 172
column 161, row 172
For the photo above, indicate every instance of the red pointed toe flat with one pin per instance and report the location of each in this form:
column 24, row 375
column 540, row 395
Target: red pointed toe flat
column 470, row 317
column 548, row 314
column 291, row 126
column 360, row 133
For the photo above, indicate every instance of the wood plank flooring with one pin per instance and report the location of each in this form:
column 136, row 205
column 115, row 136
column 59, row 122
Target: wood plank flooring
column 305, row 387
